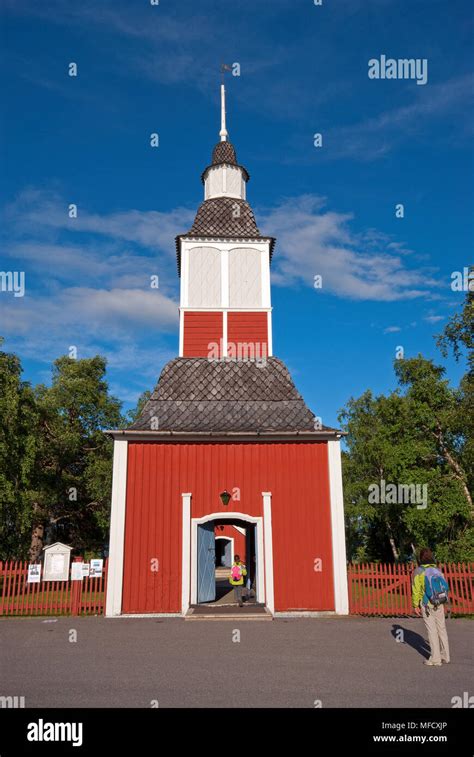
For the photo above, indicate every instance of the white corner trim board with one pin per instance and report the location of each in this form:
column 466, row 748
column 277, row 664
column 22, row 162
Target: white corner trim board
column 186, row 552
column 267, row 531
column 341, row 596
column 113, row 605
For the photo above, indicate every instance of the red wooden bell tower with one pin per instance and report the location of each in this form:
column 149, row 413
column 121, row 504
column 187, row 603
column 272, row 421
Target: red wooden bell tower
column 225, row 415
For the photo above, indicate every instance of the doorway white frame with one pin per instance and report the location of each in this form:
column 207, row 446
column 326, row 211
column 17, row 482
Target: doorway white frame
column 231, row 539
column 259, row 548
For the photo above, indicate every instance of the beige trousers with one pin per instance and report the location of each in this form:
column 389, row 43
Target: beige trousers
column 435, row 623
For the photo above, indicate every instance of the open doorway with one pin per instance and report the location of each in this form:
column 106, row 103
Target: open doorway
column 219, row 541
column 224, row 551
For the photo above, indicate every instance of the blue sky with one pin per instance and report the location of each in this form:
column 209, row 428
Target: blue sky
column 304, row 69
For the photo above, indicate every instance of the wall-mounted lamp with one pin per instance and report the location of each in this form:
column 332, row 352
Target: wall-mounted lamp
column 225, row 497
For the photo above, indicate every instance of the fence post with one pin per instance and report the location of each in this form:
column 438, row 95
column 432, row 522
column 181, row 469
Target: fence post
column 76, row 593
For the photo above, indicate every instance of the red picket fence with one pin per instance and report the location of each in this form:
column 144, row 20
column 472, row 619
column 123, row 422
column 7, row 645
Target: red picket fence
column 18, row 597
column 385, row 589
column 374, row 589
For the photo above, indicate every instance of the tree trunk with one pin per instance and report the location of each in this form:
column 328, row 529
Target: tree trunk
column 395, row 553
column 393, row 546
column 455, row 467
column 36, row 542
column 458, row 473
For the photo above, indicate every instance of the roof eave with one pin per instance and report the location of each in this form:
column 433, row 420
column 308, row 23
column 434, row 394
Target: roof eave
column 137, row 434
column 225, row 163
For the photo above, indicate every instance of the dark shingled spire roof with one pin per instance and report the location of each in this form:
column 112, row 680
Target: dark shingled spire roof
column 225, row 216
column 229, row 396
column 224, row 152
column 218, row 218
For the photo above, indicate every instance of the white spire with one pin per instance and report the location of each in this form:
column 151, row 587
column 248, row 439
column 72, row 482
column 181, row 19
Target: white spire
column 223, row 132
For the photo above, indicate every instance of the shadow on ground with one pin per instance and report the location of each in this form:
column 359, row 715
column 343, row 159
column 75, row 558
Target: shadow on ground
column 411, row 638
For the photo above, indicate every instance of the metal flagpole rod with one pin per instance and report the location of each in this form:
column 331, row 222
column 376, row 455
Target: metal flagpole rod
column 223, row 132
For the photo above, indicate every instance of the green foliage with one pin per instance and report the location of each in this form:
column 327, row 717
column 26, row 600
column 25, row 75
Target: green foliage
column 55, row 460
column 19, row 482
column 421, row 433
column 75, row 453
column 132, row 415
column 459, row 332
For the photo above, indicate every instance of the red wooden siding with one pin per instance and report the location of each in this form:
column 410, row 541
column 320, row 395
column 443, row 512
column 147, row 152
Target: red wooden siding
column 200, row 331
column 295, row 473
column 248, row 328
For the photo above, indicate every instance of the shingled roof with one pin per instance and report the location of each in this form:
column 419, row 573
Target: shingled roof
column 224, row 154
column 200, row 395
column 225, row 216
column 219, row 218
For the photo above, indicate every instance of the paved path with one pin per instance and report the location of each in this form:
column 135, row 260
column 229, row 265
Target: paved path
column 344, row 662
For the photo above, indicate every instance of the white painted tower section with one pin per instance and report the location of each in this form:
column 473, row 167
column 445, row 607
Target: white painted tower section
column 225, row 274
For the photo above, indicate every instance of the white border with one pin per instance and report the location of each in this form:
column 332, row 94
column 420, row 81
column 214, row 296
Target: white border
column 185, row 547
column 113, row 605
column 225, row 346
column 267, row 525
column 232, row 546
column 269, row 334
column 266, row 289
column 181, row 332
column 341, row 596
column 259, row 544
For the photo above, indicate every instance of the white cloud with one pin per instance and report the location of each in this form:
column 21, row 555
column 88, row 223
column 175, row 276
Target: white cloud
column 313, row 241
column 37, row 210
column 88, row 282
column 376, row 136
column 434, row 318
column 87, row 312
column 391, row 329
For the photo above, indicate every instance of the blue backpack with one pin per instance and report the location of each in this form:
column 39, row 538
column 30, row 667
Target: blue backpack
column 436, row 586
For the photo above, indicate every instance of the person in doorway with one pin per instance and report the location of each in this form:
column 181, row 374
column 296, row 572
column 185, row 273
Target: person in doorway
column 429, row 595
column 237, row 573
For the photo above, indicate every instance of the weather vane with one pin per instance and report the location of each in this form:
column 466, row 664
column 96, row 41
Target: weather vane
column 225, row 67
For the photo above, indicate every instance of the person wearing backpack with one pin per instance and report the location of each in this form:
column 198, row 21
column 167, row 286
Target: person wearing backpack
column 237, row 573
column 429, row 595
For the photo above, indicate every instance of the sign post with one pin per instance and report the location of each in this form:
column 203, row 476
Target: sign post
column 76, row 586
